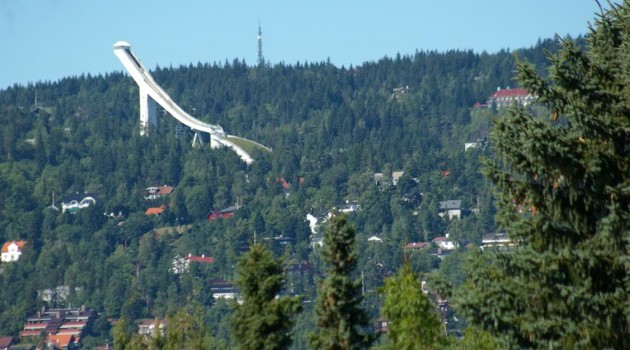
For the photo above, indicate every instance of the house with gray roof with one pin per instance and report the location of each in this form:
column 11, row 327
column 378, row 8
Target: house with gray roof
column 452, row 208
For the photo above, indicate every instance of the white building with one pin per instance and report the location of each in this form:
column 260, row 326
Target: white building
column 469, row 145
column 498, row 241
column 444, row 243
column 151, row 327
column 75, row 202
column 11, row 251
column 223, row 290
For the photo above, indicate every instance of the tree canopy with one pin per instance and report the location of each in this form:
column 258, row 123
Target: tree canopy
column 413, row 322
column 342, row 322
column 264, row 320
column 562, row 184
column 338, row 134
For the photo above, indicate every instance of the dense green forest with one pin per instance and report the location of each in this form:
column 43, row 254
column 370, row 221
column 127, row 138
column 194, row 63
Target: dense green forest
column 331, row 129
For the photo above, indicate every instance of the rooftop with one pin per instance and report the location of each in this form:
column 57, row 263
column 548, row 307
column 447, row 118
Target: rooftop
column 154, row 211
column 451, row 204
column 201, row 259
column 510, row 92
column 416, row 245
column 20, row 245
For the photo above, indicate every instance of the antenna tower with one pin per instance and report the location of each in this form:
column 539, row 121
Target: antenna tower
column 261, row 60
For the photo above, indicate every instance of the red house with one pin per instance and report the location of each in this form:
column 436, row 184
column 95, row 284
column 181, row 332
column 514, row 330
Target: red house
column 222, row 214
column 157, row 211
column 5, row 343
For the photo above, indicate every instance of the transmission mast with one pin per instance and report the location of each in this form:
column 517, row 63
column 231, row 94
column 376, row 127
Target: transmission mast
column 261, row 59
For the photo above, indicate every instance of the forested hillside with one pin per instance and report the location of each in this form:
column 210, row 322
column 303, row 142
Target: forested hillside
column 331, row 129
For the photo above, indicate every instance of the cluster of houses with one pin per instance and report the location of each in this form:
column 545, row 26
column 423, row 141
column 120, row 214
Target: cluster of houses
column 57, row 328
column 153, row 193
column 439, row 246
column 63, row 328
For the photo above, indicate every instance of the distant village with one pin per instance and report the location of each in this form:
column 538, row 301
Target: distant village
column 62, row 328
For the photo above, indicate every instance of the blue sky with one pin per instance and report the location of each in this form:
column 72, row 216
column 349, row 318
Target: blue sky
column 46, row 40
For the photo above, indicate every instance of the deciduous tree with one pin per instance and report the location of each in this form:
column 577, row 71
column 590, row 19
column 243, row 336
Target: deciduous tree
column 413, row 320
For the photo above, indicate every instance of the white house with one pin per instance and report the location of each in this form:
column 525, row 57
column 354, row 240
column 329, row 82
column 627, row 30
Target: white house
column 11, row 251
column 223, row 289
column 469, row 145
column 151, row 327
column 349, row 207
column 157, row 192
column 444, row 243
column 498, row 241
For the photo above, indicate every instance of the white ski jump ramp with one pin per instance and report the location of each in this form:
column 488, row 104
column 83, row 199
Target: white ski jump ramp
column 151, row 93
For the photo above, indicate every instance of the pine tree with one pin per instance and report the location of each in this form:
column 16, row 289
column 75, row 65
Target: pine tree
column 413, row 321
column 263, row 320
column 342, row 323
column 563, row 186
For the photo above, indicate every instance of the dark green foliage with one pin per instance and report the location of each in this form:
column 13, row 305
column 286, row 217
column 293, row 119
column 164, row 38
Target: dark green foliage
column 342, row 323
column 263, row 320
column 330, row 129
column 562, row 185
column 423, row 261
column 185, row 329
column 474, row 339
column 413, row 322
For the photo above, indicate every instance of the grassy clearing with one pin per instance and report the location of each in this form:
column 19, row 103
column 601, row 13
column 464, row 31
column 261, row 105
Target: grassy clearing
column 247, row 145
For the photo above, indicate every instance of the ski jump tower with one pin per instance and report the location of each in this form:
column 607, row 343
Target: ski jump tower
column 151, row 94
column 148, row 108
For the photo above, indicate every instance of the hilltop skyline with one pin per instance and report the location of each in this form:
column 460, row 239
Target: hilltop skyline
column 51, row 39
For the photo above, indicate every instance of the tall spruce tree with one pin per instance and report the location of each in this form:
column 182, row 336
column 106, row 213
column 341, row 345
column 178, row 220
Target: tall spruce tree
column 414, row 322
column 342, row 323
column 263, row 320
column 563, row 186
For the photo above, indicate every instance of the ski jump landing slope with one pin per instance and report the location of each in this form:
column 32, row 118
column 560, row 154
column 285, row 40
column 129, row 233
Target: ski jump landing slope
column 151, row 93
